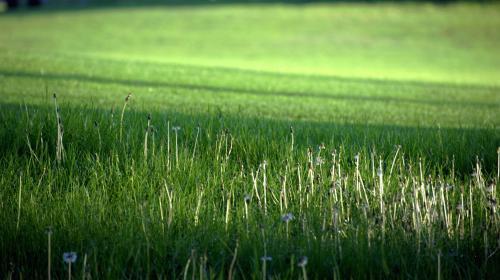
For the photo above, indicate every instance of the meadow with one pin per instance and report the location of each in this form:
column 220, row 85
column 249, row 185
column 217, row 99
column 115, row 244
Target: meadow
column 250, row 141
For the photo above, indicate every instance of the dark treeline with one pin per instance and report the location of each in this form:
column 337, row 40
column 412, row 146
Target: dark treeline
column 97, row 3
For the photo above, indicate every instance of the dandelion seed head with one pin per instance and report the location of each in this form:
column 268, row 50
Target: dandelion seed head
column 302, row 261
column 176, row 128
column 247, row 198
column 266, row 258
column 69, row 257
column 287, row 217
column 319, row 161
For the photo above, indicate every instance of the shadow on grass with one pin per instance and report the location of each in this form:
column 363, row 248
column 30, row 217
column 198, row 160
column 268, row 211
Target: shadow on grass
column 108, row 224
column 266, row 92
column 257, row 139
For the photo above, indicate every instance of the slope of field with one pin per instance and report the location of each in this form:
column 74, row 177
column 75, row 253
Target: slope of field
column 453, row 43
column 363, row 137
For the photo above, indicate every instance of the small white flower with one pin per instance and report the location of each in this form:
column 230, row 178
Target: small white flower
column 302, row 261
column 287, row 217
column 356, row 157
column 69, row 257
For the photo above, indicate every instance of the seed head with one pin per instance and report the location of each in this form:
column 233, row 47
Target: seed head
column 302, row 261
column 266, row 258
column 287, row 217
column 319, row 161
column 176, row 128
column 247, row 198
column 69, row 257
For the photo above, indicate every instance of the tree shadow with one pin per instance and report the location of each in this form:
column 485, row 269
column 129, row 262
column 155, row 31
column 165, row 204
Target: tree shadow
column 267, row 92
column 259, row 138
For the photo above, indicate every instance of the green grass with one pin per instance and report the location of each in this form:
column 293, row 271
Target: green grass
column 411, row 87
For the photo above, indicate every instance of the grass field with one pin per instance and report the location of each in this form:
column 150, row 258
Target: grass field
column 363, row 137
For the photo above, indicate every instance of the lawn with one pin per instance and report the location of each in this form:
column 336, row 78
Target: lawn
column 362, row 136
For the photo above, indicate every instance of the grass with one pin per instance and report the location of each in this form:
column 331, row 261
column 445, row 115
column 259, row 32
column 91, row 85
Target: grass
column 355, row 140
